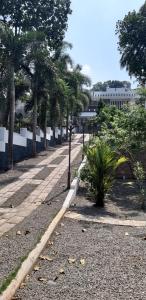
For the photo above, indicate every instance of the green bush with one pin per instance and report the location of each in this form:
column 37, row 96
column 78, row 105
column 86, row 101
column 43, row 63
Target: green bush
column 99, row 171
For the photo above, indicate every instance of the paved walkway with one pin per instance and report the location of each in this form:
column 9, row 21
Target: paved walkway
column 56, row 165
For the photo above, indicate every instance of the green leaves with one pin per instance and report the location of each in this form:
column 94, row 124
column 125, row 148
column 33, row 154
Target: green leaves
column 132, row 43
column 99, row 172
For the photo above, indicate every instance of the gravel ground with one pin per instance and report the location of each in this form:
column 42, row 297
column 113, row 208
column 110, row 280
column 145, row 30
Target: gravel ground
column 107, row 262
column 110, row 263
column 13, row 246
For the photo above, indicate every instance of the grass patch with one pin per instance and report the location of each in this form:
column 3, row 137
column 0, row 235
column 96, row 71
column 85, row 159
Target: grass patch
column 11, row 276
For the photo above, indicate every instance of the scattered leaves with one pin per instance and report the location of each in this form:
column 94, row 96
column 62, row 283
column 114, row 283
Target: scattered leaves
column 61, row 271
column 18, row 232
column 46, row 257
column 42, row 279
column 36, row 268
column 55, row 278
column 50, row 243
column 57, row 233
column 71, row 260
column 23, row 284
column 26, row 232
column 82, row 261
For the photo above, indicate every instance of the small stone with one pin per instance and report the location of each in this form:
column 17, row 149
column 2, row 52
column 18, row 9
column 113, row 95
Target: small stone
column 18, row 232
column 84, row 230
column 126, row 233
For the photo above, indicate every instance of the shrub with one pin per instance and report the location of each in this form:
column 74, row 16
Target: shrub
column 99, row 171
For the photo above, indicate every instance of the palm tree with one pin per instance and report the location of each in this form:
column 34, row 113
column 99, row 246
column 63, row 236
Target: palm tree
column 78, row 97
column 11, row 52
column 99, row 171
column 40, row 69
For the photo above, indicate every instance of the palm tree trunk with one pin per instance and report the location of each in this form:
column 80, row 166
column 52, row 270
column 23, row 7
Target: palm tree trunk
column 100, row 199
column 34, row 123
column 6, row 113
column 11, row 101
column 45, row 126
column 67, row 123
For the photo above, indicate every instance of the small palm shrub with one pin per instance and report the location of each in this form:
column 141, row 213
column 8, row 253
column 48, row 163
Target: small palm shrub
column 139, row 174
column 99, row 171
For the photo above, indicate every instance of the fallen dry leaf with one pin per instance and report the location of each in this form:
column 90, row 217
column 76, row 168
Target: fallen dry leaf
column 43, row 279
column 57, row 233
column 61, row 271
column 26, row 232
column 82, row 261
column 27, row 277
column 23, row 284
column 50, row 243
column 71, row 260
column 18, row 232
column 55, row 278
column 36, row 268
column 46, row 257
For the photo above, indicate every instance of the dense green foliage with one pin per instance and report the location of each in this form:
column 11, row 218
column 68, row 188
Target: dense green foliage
column 34, row 67
column 102, row 86
column 132, row 43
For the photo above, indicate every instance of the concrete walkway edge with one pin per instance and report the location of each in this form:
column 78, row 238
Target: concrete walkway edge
column 32, row 258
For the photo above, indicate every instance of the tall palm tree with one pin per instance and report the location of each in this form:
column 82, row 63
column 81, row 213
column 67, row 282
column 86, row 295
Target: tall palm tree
column 40, row 68
column 11, row 52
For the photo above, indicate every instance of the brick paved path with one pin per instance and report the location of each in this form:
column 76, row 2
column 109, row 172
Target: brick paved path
column 30, row 189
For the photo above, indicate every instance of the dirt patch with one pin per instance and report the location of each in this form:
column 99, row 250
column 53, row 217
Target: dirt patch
column 122, row 202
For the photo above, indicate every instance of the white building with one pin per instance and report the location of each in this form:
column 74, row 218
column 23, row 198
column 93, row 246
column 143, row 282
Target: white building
column 115, row 96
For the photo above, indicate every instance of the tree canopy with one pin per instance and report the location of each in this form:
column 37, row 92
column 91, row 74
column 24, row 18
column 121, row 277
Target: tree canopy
column 102, row 86
column 49, row 17
column 132, row 43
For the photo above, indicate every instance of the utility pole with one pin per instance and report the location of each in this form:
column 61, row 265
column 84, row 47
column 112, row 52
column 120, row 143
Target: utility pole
column 69, row 161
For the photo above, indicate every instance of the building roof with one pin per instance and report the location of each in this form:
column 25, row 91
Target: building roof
column 88, row 114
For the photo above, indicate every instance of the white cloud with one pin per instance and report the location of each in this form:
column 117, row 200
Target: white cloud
column 86, row 70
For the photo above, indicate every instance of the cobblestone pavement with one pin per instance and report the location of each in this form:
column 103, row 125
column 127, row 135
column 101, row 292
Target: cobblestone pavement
column 20, row 198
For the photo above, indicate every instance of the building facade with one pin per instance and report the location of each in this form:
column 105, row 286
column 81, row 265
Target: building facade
column 114, row 96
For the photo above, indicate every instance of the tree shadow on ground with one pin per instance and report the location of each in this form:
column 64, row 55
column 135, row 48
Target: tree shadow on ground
column 123, row 201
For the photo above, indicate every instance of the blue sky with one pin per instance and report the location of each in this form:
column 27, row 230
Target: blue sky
column 91, row 30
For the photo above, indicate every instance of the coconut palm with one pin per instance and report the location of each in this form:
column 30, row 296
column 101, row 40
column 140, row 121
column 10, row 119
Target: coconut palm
column 12, row 48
